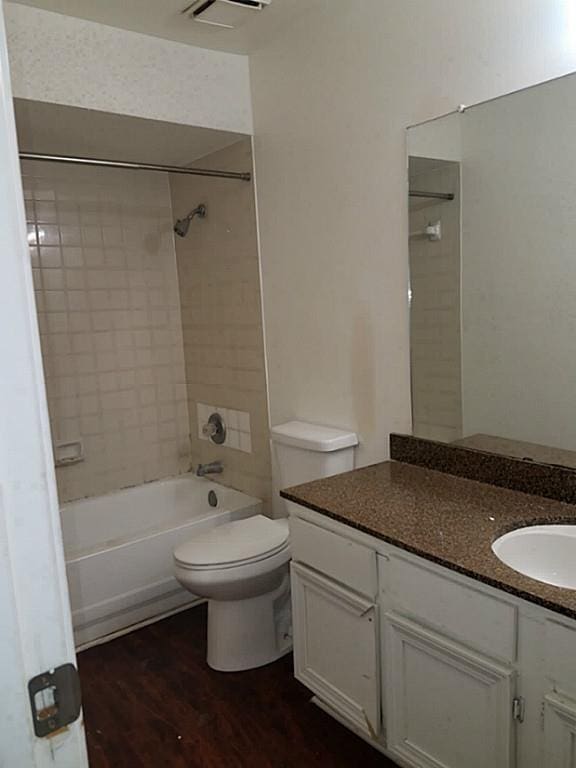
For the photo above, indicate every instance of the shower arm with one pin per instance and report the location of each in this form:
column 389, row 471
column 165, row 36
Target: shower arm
column 200, row 210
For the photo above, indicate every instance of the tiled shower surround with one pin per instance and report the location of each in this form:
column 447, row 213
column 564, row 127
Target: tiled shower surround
column 107, row 295
column 219, row 277
column 435, row 333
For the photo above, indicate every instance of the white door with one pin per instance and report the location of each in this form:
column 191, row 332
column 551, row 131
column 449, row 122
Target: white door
column 559, row 732
column 446, row 707
column 336, row 647
column 35, row 623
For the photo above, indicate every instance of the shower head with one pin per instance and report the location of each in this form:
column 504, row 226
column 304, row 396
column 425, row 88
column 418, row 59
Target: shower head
column 182, row 225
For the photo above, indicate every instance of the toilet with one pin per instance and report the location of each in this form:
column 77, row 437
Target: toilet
column 242, row 567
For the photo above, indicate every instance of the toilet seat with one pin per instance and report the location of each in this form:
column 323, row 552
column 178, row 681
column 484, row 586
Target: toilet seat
column 235, row 544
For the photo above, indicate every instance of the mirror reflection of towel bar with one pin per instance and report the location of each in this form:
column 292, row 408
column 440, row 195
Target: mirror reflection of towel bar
column 435, row 195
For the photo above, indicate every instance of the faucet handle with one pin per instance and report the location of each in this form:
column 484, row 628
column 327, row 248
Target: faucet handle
column 209, row 429
column 215, row 429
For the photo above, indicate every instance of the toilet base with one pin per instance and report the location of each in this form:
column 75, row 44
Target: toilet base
column 244, row 634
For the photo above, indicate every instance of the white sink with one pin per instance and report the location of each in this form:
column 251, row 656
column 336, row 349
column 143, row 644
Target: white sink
column 544, row 552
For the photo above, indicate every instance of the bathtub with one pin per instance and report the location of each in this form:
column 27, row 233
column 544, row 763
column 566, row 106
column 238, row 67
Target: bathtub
column 119, row 546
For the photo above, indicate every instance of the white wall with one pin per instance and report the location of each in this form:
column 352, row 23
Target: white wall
column 331, row 99
column 65, row 60
column 519, row 270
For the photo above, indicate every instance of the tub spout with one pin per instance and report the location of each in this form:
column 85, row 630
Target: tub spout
column 213, row 468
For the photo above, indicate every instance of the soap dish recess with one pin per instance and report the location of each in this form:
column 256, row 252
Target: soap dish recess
column 68, row 453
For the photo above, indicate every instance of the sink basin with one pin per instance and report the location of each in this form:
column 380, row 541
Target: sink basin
column 544, row 552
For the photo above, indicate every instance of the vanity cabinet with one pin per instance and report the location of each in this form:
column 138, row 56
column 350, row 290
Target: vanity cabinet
column 435, row 669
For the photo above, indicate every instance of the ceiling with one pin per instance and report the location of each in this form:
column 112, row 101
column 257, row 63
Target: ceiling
column 60, row 130
column 162, row 18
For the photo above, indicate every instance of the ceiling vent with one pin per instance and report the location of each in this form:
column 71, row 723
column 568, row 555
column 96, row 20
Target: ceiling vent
column 224, row 13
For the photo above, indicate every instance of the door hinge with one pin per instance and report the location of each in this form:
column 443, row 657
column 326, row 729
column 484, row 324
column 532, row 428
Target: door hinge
column 55, row 699
column 518, row 707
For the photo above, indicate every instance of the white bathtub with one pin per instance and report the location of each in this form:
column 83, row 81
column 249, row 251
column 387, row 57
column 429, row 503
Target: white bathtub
column 119, row 550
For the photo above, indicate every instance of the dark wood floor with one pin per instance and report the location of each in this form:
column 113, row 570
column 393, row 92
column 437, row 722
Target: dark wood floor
column 150, row 700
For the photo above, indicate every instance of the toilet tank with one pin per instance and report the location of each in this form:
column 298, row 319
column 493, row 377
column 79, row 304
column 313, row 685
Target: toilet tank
column 302, row 452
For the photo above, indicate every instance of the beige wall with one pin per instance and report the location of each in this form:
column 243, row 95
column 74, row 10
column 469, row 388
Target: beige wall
column 332, row 97
column 104, row 268
column 221, row 311
column 435, row 321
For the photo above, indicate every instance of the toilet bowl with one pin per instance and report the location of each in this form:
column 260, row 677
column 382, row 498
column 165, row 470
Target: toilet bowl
column 241, row 568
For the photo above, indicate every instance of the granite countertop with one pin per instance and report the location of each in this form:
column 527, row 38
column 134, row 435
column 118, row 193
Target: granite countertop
column 442, row 518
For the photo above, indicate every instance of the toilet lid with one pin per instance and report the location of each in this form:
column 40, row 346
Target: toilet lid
column 236, row 542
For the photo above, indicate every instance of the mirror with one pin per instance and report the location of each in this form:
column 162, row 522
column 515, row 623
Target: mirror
column 492, row 211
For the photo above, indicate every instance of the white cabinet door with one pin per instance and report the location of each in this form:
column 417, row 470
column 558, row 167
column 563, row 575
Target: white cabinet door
column 446, row 707
column 559, row 732
column 336, row 647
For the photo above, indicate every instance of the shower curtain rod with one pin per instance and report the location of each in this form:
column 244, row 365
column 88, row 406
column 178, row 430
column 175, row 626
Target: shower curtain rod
column 435, row 195
column 136, row 166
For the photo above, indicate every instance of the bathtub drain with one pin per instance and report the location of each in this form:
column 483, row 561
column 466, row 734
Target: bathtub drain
column 212, row 499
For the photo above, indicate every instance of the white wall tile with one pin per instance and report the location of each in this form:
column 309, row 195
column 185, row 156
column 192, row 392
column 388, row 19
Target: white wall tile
column 232, row 420
column 245, row 442
column 232, row 439
column 244, row 421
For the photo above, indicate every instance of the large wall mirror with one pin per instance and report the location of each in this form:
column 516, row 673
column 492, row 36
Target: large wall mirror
column 493, row 275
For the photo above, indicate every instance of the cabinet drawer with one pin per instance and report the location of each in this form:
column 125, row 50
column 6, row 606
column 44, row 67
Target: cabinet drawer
column 478, row 620
column 339, row 558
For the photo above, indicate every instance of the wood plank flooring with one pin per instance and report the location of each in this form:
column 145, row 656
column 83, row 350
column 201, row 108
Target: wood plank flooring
column 150, row 701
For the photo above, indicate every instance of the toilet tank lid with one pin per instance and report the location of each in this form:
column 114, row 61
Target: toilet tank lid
column 313, row 437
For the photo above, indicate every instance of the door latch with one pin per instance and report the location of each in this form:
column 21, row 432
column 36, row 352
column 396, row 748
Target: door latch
column 518, row 707
column 55, row 699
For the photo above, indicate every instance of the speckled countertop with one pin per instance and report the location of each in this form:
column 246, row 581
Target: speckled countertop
column 442, row 518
